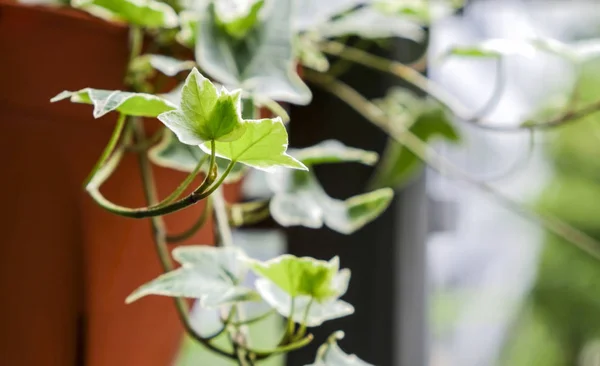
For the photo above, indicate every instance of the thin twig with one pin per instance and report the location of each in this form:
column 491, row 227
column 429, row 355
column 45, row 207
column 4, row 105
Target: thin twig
column 437, row 162
column 176, row 238
column 438, row 93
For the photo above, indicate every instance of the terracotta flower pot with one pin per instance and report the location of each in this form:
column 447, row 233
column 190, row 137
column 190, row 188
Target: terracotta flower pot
column 66, row 265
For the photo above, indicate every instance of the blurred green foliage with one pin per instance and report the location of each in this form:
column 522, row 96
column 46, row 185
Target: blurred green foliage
column 561, row 315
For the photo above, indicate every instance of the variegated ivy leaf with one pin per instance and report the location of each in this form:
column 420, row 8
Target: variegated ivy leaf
column 370, row 22
column 303, row 276
column 330, row 354
column 212, row 275
column 238, row 17
column 307, row 310
column 168, row 65
column 299, row 199
column 333, row 151
column 263, row 146
column 171, row 153
column 204, row 113
column 104, row 101
column 262, row 63
column 145, row 13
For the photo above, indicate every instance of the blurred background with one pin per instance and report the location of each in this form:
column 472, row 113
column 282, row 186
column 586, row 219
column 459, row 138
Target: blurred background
column 449, row 276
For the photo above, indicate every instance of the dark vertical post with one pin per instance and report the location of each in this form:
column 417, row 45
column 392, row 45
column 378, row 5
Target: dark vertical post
column 371, row 253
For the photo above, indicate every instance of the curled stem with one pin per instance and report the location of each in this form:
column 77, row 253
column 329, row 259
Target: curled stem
column 199, row 194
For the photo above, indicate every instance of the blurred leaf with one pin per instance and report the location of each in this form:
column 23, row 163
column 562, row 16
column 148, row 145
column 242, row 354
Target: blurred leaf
column 189, row 28
column 330, row 354
column 263, row 146
column 204, row 113
column 145, row 13
column 426, row 120
column 495, row 48
column 310, row 14
column 237, row 17
column 168, row 65
column 262, row 63
column 370, row 22
column 333, row 151
column 212, row 275
column 300, row 200
column 300, row 276
column 171, row 153
column 422, row 11
column 131, row 104
column 306, row 310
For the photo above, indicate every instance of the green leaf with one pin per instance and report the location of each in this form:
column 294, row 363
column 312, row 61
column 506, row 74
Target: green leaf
column 300, row 200
column 262, row 63
column 168, row 65
column 425, row 119
column 171, row 153
column 145, row 13
column 306, row 310
column 300, row 276
column 333, row 151
column 370, row 22
column 131, row 104
column 330, row 354
column 212, row 275
column 239, row 17
column 204, row 113
column 263, row 146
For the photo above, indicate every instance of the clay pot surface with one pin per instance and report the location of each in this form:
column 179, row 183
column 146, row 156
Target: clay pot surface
column 66, row 265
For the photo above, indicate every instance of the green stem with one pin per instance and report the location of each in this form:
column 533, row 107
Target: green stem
column 302, row 329
column 154, row 210
column 254, row 320
column 261, row 355
column 248, row 213
column 147, row 144
column 438, row 163
column 110, row 147
column 183, row 186
column 176, row 238
column 159, row 233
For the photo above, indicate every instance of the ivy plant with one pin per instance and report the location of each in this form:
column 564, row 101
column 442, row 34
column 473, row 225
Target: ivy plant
column 252, row 54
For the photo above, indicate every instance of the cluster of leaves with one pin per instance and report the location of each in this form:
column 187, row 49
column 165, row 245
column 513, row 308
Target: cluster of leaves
column 250, row 49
